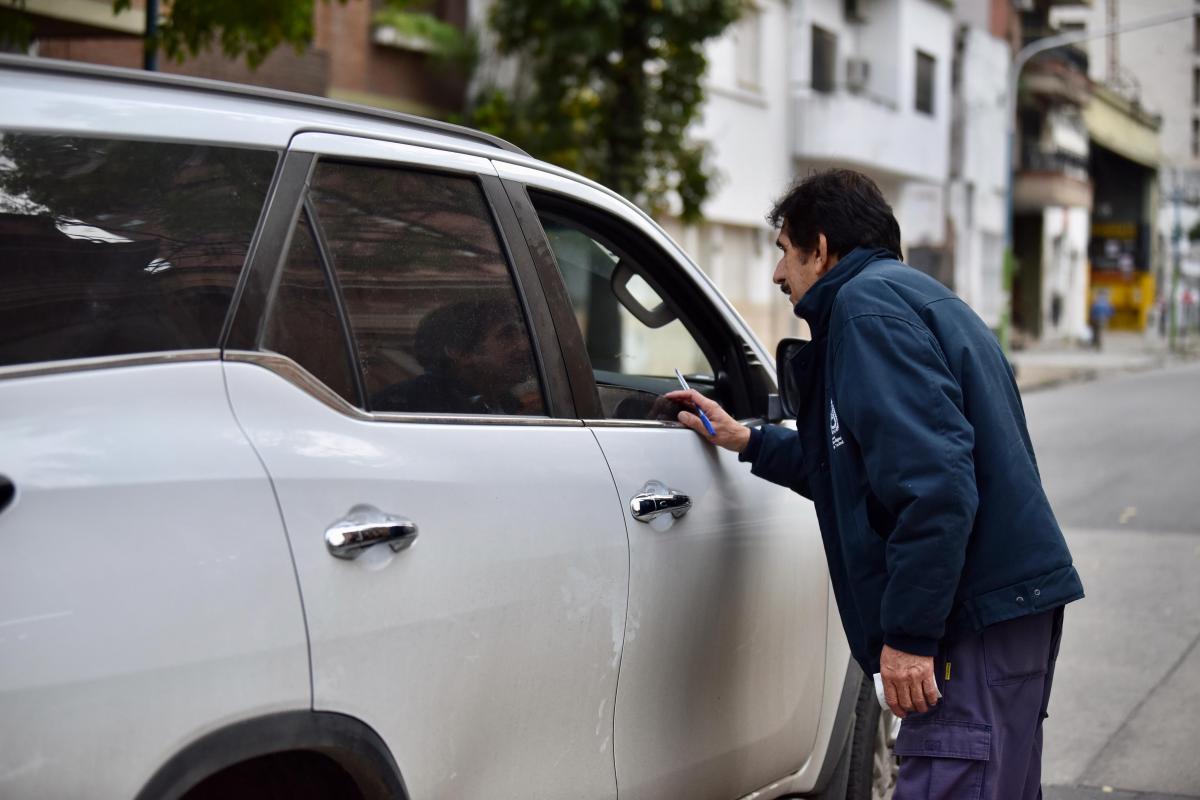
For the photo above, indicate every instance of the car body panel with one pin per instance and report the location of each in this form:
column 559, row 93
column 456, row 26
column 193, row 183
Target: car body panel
column 146, row 590
column 721, row 682
column 486, row 654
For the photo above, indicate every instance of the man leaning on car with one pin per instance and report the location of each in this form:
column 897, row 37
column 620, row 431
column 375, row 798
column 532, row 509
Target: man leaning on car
column 949, row 567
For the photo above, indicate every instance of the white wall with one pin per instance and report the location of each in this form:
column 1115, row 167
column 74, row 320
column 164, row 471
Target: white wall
column 878, row 131
column 746, row 128
column 976, row 201
column 1065, row 234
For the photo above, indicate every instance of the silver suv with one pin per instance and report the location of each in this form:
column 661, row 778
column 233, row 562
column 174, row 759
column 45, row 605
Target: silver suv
column 334, row 463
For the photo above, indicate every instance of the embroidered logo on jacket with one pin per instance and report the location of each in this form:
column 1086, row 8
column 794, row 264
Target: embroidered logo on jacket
column 834, row 427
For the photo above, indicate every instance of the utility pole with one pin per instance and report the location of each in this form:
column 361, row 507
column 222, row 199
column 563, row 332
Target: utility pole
column 1176, row 261
column 150, row 53
column 1114, row 54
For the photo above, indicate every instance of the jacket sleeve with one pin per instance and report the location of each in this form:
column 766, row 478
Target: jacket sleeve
column 895, row 394
column 775, row 454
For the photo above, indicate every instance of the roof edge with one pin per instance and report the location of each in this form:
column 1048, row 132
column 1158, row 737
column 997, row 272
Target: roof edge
column 80, row 69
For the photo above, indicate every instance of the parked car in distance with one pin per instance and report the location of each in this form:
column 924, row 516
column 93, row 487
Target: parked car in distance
column 334, row 463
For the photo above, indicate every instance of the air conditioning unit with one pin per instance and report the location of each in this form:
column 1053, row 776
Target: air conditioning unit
column 858, row 73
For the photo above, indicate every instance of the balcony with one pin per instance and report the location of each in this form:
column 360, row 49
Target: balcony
column 1051, row 177
column 1057, row 75
column 862, row 132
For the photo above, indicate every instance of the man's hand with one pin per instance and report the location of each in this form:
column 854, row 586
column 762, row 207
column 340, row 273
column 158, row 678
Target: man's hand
column 729, row 433
column 908, row 682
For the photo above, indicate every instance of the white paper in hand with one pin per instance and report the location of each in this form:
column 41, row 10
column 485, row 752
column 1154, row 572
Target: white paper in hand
column 883, row 700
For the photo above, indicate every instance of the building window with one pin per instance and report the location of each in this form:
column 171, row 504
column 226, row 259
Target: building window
column 748, row 44
column 824, row 59
column 1195, row 137
column 925, row 70
column 1196, row 86
column 1196, row 33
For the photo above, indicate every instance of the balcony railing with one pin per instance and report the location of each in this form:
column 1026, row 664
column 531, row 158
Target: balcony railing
column 1061, row 162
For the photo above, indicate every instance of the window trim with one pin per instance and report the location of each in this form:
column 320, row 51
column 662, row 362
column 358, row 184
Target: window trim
column 576, row 363
column 268, row 250
column 294, row 373
column 287, row 199
column 334, row 286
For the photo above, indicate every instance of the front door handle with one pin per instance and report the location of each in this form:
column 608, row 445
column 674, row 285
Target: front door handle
column 655, row 499
column 365, row 526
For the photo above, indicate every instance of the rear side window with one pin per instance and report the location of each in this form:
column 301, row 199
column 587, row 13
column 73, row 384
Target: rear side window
column 432, row 307
column 110, row 247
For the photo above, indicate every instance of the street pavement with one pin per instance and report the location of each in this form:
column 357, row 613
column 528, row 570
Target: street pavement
column 1120, row 459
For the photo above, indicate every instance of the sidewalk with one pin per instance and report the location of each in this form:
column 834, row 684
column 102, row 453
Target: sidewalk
column 1045, row 366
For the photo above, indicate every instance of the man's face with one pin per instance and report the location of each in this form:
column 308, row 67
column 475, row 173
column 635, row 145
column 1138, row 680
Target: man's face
column 499, row 360
column 798, row 268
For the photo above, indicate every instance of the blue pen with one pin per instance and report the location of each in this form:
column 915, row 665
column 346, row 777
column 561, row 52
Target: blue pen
column 707, row 425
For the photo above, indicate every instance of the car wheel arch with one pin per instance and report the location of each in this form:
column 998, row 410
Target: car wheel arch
column 347, row 741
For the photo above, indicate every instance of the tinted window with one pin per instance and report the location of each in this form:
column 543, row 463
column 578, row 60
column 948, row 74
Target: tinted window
column 431, row 302
column 111, row 247
column 303, row 322
column 634, row 359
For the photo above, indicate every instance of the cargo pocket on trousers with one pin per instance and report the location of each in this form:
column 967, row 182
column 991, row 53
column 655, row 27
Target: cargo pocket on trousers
column 944, row 758
column 1018, row 649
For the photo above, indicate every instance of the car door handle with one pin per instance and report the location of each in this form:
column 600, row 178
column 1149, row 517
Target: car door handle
column 656, row 499
column 366, row 526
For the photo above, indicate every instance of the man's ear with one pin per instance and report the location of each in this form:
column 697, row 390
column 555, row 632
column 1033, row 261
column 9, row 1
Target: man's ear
column 825, row 260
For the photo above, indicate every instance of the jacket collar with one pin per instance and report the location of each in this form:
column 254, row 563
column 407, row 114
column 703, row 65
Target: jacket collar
column 816, row 307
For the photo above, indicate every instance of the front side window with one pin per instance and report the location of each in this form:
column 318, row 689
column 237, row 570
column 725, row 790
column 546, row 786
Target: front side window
column 110, row 247
column 432, row 306
column 633, row 337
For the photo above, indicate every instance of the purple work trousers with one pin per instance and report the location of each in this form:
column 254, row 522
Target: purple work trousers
column 983, row 740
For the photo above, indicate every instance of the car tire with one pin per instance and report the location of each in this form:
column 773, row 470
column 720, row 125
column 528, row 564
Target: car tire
column 873, row 765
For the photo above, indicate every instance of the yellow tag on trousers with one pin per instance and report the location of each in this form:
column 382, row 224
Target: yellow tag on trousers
column 947, row 670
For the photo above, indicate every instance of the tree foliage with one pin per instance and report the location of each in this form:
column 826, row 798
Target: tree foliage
column 608, row 88
column 253, row 29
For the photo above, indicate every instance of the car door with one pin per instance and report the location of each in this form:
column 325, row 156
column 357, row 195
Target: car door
column 725, row 644
column 456, row 535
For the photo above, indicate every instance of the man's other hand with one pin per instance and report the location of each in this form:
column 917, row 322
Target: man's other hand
column 908, row 682
column 728, row 432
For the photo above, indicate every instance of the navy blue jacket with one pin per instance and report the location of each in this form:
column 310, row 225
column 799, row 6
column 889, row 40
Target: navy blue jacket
column 913, row 446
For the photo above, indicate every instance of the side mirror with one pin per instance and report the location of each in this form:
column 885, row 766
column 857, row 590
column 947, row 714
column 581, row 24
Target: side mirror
column 789, row 391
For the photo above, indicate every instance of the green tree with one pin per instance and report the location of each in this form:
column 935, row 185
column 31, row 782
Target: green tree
column 608, row 88
column 252, row 29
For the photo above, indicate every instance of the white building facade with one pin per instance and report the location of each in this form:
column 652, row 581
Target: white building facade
column 1159, row 68
column 801, row 86
column 976, row 199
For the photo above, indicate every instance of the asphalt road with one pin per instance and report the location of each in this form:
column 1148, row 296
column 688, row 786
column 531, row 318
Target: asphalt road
column 1120, row 459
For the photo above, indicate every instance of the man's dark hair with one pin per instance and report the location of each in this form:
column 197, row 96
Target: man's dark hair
column 844, row 205
column 458, row 327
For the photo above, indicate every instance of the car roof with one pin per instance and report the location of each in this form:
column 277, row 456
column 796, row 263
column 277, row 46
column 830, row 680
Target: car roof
column 69, row 75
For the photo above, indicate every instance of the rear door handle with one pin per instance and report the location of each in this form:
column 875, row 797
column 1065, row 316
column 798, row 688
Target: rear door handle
column 7, row 492
column 366, row 526
column 656, row 499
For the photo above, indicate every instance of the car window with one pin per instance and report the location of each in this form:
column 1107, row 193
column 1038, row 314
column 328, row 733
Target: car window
column 633, row 337
column 111, row 246
column 302, row 321
column 432, row 305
